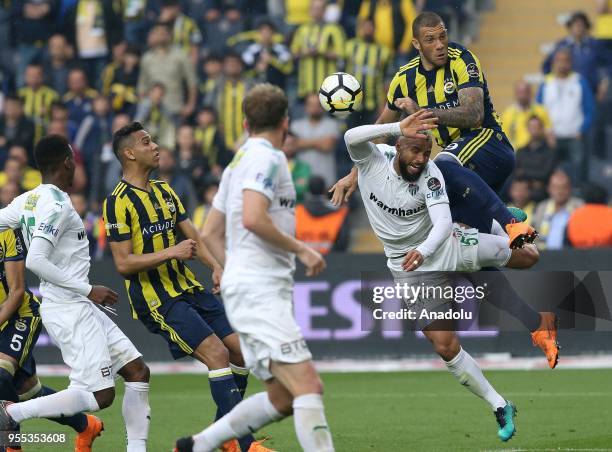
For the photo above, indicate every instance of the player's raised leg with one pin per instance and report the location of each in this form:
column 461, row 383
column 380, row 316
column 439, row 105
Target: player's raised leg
column 459, row 362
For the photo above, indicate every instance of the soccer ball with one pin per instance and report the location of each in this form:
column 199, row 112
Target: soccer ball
column 340, row 94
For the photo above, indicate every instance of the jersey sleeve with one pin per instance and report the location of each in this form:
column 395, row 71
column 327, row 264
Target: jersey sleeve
column 117, row 219
column 433, row 186
column 263, row 174
column 181, row 213
column 467, row 70
column 51, row 220
column 13, row 246
column 220, row 199
column 397, row 89
column 9, row 216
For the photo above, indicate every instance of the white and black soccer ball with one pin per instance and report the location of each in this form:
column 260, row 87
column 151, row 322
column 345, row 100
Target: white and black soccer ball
column 340, row 94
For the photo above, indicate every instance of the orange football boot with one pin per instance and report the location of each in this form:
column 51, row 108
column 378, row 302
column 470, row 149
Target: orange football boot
column 85, row 439
column 520, row 233
column 257, row 446
column 545, row 337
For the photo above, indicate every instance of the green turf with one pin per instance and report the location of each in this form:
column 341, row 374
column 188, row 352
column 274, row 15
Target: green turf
column 404, row 411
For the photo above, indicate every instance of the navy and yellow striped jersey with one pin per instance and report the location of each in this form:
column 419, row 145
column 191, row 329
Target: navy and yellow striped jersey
column 186, row 33
column 11, row 249
column 230, row 110
column 439, row 88
column 149, row 219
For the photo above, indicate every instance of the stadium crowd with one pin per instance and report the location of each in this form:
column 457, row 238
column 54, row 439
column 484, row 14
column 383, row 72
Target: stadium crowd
column 84, row 68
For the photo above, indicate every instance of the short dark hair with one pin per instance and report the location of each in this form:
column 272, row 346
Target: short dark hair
column 14, row 97
column 317, row 186
column 520, row 179
column 594, row 194
column 265, row 106
column 51, row 151
column 425, row 19
column 121, row 136
column 578, row 15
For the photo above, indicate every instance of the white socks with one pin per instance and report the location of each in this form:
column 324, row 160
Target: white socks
column 63, row 403
column 469, row 375
column 310, row 424
column 137, row 415
column 245, row 418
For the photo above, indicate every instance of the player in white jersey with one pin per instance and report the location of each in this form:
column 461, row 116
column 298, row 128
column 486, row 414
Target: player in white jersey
column 253, row 215
column 92, row 345
column 406, row 203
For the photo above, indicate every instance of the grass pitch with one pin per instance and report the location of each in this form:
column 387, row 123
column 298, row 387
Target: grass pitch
column 400, row 411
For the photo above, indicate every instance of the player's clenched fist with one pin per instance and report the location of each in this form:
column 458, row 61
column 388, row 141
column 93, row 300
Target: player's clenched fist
column 103, row 295
column 184, row 250
column 312, row 260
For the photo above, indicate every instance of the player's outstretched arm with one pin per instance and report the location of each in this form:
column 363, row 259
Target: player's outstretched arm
column 213, row 234
column 128, row 263
column 256, row 219
column 15, row 280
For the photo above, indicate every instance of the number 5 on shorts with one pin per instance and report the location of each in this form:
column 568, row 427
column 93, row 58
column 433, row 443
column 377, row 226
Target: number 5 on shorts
column 16, row 342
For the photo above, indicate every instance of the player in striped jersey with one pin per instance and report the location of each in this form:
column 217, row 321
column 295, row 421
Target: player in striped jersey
column 20, row 325
column 143, row 219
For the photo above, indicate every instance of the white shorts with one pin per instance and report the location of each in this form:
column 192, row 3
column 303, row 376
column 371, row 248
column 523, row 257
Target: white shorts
column 262, row 315
column 92, row 345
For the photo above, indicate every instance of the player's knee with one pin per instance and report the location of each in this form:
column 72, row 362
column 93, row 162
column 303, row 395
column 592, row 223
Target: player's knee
column 136, row 371
column 532, row 255
column 447, row 350
column 105, row 397
column 283, row 403
column 213, row 353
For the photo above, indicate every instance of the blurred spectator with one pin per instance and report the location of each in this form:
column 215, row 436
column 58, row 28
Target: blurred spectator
column 586, row 51
column 37, row 99
column 268, row 61
column 180, row 183
column 111, row 167
column 185, row 31
column 319, row 49
column 94, row 26
column 515, row 117
column 8, row 192
column 551, row 215
column 59, row 112
column 212, row 76
column 58, row 62
column 93, row 132
column 156, row 118
column 94, row 225
column 536, row 161
column 135, row 21
column 222, row 21
column 590, row 226
column 393, row 22
column 316, row 137
column 520, row 196
column 170, row 66
column 190, row 162
column 108, row 73
column 210, row 143
column 370, row 63
column 33, row 25
column 603, row 25
column 15, row 128
column 58, row 127
column 569, row 101
column 318, row 223
column 18, row 170
column 80, row 96
column 300, row 171
column 120, row 84
column 208, row 193
column 227, row 97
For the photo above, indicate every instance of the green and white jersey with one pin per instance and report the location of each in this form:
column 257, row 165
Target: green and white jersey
column 47, row 212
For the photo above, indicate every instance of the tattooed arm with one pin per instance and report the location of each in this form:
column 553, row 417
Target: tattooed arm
column 468, row 114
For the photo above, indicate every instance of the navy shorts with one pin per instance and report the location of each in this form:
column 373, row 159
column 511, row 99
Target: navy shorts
column 185, row 321
column 488, row 153
column 17, row 340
